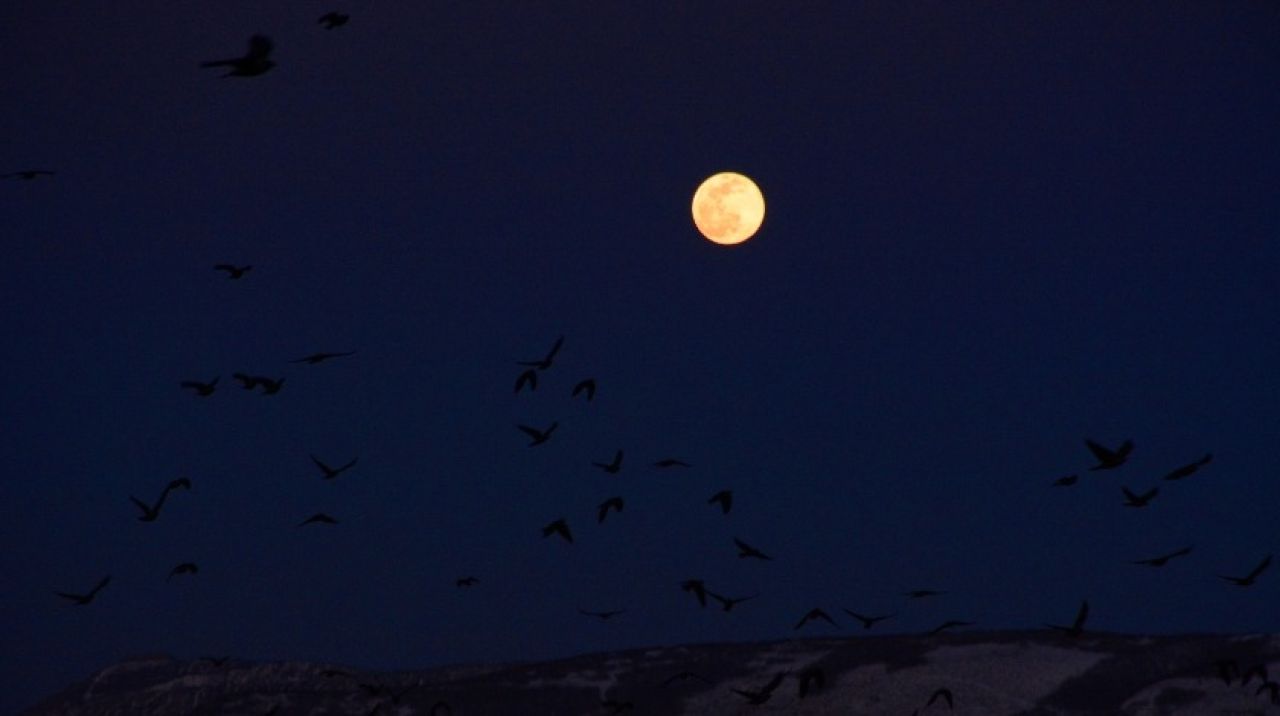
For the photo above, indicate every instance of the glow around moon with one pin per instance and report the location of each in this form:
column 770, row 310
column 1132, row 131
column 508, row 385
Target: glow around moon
column 728, row 208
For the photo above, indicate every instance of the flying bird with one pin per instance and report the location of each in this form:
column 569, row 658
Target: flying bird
column 868, row 622
column 724, row 498
column 1077, row 627
column 728, row 603
column 1190, row 468
column 1133, row 500
column 545, row 363
column 559, row 527
column 247, row 382
column 203, row 390
column 1108, row 459
column 83, row 599
column 252, row 63
column 671, row 462
column 331, row 472
column 1066, row 481
column 233, row 272
column 270, row 387
column 538, row 436
column 318, row 518
column 1164, row 558
column 28, row 174
column 613, row 467
column 814, row 614
column 586, row 386
column 949, row 625
column 922, row 593
column 945, row 695
column 1248, row 579
column 602, row 616
column 698, row 588
column 529, row 377
column 762, row 695
column 746, row 550
column 184, row 568
column 603, row 508
column 315, row 358
column 330, row 20
column 812, row 675
column 466, row 582
column 151, row 512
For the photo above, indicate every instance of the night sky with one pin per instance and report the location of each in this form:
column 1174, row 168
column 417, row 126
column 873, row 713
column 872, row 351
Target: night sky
column 993, row 231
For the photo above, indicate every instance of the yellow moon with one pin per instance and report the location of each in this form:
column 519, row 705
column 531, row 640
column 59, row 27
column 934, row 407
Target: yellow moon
column 728, row 208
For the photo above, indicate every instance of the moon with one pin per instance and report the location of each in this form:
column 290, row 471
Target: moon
column 728, row 208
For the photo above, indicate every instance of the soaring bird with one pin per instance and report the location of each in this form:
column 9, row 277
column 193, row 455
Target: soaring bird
column 321, row 357
column 233, row 272
column 248, row 382
column 671, row 462
column 269, row 386
column 184, row 568
column 28, row 174
column 949, row 625
column 611, row 467
column 466, row 582
column 1077, row 627
column 922, row 593
column 814, row 614
column 1066, row 481
column 151, row 512
column 724, row 498
column 203, row 390
column 728, row 603
column 330, row 20
column 253, row 63
column 945, row 695
column 868, row 622
column 545, row 363
column 698, row 588
column 1247, row 580
column 538, row 436
column 1164, row 558
column 332, row 472
column 83, row 599
column 1190, row 468
column 1108, row 459
column 763, row 694
column 529, row 377
column 811, row 675
column 318, row 518
column 602, row 616
column 559, row 527
column 603, row 509
column 746, row 550
column 1135, row 500
column 586, row 386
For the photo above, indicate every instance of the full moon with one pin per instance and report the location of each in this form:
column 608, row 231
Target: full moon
column 728, row 208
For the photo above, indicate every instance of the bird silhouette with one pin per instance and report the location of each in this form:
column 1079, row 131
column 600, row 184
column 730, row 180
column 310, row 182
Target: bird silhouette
column 331, row 472
column 1134, row 500
column 603, row 508
column 29, row 174
column 538, row 436
column 724, row 498
column 685, row 676
column 152, row 512
column 813, row 614
column 602, row 616
column 466, row 582
column 746, row 550
column 612, row 467
column 763, row 694
column 252, row 63
column 318, row 518
column 184, row 568
column 698, row 588
column 81, row 600
column 671, row 462
column 216, row 660
column 330, row 20
column 559, row 527
column 1066, row 481
column 950, row 624
column 269, row 386
column 1164, row 558
column 545, row 363
column 811, row 677
column 945, row 695
column 233, row 272
column 728, row 603
column 315, row 358
column 922, row 593
column 203, row 390
column 1077, row 627
column 868, row 622
column 1247, row 580
column 1108, row 459
column 529, row 377
column 1190, row 468
column 247, row 382
column 586, row 386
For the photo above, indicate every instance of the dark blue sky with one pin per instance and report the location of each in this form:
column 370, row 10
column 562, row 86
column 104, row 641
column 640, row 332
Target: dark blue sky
column 992, row 232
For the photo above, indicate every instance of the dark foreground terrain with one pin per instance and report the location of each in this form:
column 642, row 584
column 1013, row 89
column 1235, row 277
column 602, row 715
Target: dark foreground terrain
column 1031, row 673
